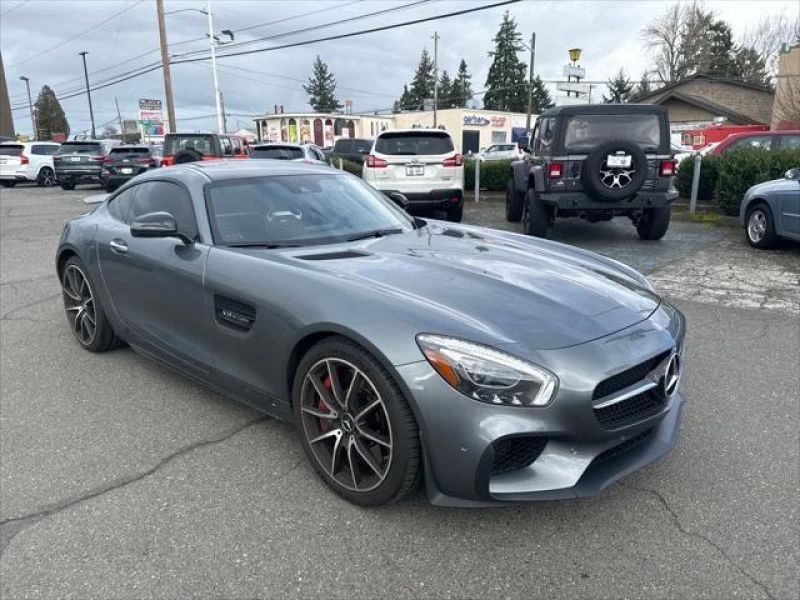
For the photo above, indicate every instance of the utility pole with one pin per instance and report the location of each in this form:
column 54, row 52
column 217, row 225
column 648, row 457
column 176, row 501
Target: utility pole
column 162, row 32
column 119, row 116
column 224, row 116
column 530, row 86
column 88, row 93
column 435, row 76
column 212, row 39
column 30, row 105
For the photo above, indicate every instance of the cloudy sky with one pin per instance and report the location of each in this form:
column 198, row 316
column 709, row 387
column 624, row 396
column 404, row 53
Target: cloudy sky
column 41, row 39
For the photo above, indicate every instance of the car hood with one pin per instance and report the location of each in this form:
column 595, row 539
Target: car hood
column 771, row 186
column 502, row 287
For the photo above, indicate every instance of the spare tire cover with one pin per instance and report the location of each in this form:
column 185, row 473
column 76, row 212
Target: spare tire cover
column 616, row 181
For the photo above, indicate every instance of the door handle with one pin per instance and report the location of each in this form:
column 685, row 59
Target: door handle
column 118, row 246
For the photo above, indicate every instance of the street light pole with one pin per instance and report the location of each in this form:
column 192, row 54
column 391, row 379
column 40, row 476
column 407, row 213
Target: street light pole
column 162, row 33
column 435, row 76
column 88, row 93
column 30, row 105
column 530, row 86
column 212, row 39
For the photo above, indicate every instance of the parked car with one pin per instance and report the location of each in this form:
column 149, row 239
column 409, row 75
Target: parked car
column 182, row 148
column 763, row 139
column 503, row 152
column 421, row 164
column 352, row 149
column 771, row 210
column 596, row 162
column 27, row 161
column 126, row 162
column 308, row 153
column 81, row 161
column 495, row 367
column 679, row 156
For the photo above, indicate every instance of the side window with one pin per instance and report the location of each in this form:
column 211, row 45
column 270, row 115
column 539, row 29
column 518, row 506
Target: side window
column 154, row 196
column 760, row 141
column 544, row 141
column 44, row 149
column 792, row 142
column 318, row 154
column 227, row 149
column 237, row 146
column 120, row 205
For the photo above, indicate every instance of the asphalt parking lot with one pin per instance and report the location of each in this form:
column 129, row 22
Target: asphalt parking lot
column 122, row 480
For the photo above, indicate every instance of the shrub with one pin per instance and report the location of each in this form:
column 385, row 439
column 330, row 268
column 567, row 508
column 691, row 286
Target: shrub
column 708, row 177
column 348, row 165
column 494, row 175
column 742, row 168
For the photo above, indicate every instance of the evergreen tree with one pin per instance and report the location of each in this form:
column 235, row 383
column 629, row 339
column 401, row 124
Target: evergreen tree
column 50, row 117
column 540, row 97
column 445, row 90
column 405, row 100
column 620, row 89
column 462, row 88
column 321, row 88
column 506, row 89
column 642, row 88
column 751, row 67
column 422, row 84
column 721, row 56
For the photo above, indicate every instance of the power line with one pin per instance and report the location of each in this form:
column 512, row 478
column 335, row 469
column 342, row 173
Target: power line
column 293, row 17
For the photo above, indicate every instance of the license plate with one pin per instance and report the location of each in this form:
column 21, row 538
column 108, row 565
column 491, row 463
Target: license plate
column 75, row 159
column 614, row 160
column 126, row 171
column 415, row 170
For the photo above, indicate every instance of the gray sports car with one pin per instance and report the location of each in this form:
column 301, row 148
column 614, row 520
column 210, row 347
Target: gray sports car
column 495, row 366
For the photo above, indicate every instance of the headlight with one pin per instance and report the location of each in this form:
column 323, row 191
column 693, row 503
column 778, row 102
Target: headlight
column 486, row 374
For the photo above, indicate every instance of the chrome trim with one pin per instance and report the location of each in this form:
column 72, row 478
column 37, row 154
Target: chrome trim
column 628, row 392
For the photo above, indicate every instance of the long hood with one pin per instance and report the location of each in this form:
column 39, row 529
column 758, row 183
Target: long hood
column 537, row 293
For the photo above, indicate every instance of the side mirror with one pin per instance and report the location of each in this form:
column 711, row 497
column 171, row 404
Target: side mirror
column 792, row 174
column 155, row 225
column 399, row 199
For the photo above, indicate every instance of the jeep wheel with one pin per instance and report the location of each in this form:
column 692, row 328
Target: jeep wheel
column 535, row 216
column 654, row 223
column 613, row 183
column 515, row 202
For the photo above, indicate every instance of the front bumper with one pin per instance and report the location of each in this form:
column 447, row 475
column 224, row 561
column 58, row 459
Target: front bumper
column 579, row 458
column 582, row 201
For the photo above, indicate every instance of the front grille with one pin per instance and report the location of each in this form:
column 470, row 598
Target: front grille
column 624, row 447
column 632, row 410
column 622, row 380
column 516, row 453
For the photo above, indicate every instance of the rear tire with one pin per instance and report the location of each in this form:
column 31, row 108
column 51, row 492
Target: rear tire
column 455, row 213
column 535, row 215
column 46, row 177
column 654, row 223
column 760, row 226
column 398, row 458
column 68, row 186
column 515, row 202
column 7, row 183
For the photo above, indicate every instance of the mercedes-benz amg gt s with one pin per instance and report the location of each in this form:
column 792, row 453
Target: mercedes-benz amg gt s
column 495, row 367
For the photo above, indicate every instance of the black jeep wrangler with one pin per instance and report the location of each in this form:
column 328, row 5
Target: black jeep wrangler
column 596, row 162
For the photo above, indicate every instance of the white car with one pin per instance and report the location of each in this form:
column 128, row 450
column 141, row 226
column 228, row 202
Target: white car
column 27, row 161
column 503, row 152
column 307, row 153
column 422, row 165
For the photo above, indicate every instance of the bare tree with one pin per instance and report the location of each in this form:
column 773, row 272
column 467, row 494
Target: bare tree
column 768, row 34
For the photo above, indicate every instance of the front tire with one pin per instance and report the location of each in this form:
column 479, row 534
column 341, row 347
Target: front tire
column 535, row 215
column 46, row 177
column 355, row 425
column 654, row 223
column 85, row 314
column 760, row 227
column 515, row 202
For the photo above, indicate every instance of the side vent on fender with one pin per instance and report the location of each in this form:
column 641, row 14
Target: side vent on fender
column 234, row 314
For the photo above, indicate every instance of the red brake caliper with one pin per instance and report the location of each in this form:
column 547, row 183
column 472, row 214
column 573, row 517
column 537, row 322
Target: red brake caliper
column 324, row 424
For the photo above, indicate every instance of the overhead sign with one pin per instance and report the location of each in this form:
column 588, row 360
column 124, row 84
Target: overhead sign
column 481, row 121
column 570, row 71
column 578, row 88
column 150, row 104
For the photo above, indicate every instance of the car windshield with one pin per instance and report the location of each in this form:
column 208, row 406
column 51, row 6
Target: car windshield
column 202, row 144
column 299, row 210
column 277, row 152
column 80, row 148
column 10, row 150
column 587, row 131
column 412, row 143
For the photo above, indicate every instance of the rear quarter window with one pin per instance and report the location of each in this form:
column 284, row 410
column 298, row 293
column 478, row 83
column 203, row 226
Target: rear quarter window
column 414, row 144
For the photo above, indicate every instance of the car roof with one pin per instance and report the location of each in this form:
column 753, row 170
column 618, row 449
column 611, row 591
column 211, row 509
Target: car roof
column 223, row 170
column 414, row 130
column 604, row 109
column 280, row 144
column 744, row 134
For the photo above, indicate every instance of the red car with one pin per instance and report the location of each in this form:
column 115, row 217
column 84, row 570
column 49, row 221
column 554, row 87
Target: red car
column 191, row 147
column 763, row 139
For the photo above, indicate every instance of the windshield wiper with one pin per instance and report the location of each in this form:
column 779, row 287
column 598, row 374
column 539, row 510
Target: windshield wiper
column 268, row 246
column 376, row 233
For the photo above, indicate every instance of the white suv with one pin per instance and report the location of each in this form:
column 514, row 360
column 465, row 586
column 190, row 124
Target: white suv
column 421, row 164
column 27, row 161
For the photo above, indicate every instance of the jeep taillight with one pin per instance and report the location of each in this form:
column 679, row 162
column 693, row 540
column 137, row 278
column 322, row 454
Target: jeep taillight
column 453, row 161
column 373, row 162
column 668, row 168
column 555, row 171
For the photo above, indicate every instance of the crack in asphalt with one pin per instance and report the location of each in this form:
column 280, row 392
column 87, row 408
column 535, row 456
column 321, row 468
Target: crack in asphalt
column 700, row 536
column 29, row 305
column 32, row 280
column 11, row 526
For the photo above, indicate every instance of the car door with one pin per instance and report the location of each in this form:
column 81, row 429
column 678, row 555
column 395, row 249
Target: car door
column 156, row 284
column 788, row 200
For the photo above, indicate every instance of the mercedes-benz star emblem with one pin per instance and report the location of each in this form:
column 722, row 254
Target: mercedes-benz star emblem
column 672, row 375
